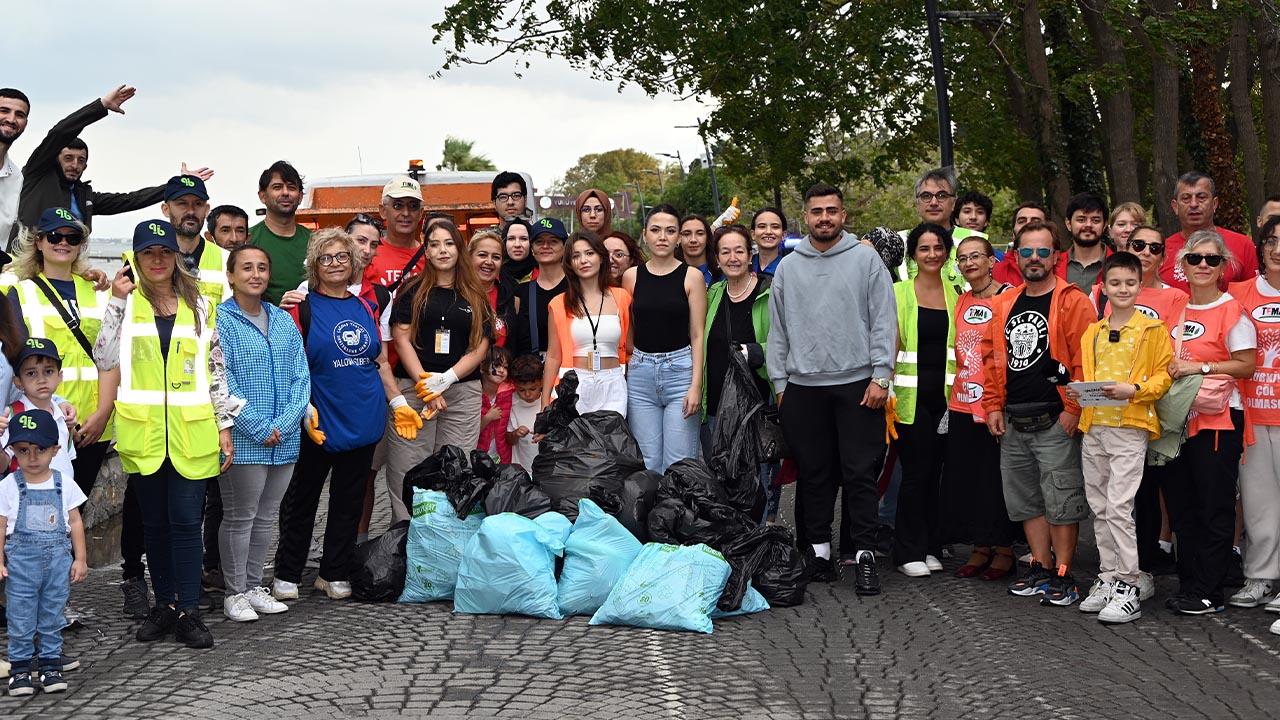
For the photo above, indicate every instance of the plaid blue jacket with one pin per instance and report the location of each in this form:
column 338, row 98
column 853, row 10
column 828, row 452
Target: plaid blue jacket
column 270, row 373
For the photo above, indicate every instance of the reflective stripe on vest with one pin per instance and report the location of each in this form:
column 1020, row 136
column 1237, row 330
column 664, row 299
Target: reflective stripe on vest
column 906, row 369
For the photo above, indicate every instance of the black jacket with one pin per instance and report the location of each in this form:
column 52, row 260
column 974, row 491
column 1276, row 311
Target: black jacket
column 44, row 186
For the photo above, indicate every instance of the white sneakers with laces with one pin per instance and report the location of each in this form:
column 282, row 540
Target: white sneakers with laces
column 1254, row 593
column 1124, row 605
column 933, row 563
column 1099, row 596
column 284, row 590
column 335, row 589
column 238, row 609
column 262, row 603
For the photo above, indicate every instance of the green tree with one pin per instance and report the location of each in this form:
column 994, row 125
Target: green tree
column 459, row 156
column 612, row 171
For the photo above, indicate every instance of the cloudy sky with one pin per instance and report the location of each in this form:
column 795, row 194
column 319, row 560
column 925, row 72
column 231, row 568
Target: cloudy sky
column 235, row 85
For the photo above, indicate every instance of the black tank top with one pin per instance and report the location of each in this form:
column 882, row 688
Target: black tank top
column 660, row 310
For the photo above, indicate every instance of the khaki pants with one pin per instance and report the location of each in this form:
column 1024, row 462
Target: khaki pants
column 1260, row 498
column 1112, row 459
column 459, row 425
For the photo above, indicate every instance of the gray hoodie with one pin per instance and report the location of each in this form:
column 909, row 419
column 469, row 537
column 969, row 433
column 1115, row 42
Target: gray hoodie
column 832, row 316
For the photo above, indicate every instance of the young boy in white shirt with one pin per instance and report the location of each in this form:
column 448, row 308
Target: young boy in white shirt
column 526, row 373
column 37, row 373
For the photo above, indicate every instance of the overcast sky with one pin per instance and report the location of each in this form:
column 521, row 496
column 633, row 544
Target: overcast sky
column 235, row 85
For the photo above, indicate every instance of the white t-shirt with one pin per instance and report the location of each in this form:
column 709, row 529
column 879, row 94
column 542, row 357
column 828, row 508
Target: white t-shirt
column 66, row 448
column 523, row 451
column 72, row 497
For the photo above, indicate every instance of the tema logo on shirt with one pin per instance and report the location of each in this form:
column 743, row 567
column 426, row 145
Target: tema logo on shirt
column 351, row 338
column 1192, row 330
column 1269, row 313
column 977, row 315
column 1028, row 336
column 1149, row 312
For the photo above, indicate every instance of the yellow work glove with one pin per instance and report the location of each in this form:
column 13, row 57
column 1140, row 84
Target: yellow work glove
column 406, row 420
column 432, row 385
column 312, row 425
column 890, row 419
column 729, row 216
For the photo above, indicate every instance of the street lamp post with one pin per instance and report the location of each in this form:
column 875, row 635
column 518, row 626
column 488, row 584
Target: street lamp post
column 662, row 186
column 679, row 161
column 711, row 160
column 641, row 194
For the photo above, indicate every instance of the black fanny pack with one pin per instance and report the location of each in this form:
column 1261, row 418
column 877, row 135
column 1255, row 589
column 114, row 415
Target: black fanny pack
column 1032, row 417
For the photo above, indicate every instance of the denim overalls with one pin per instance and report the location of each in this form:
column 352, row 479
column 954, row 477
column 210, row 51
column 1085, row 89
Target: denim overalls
column 38, row 558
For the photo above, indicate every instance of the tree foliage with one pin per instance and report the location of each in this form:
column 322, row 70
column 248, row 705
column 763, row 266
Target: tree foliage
column 459, row 156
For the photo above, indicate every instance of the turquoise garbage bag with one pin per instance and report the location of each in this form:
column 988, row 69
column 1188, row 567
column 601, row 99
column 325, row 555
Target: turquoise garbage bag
column 752, row 602
column 558, row 524
column 667, row 587
column 596, row 556
column 434, row 549
column 508, row 567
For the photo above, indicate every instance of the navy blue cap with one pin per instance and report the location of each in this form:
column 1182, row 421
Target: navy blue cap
column 37, row 347
column 549, row 225
column 56, row 219
column 180, row 185
column 34, row 426
column 154, row 232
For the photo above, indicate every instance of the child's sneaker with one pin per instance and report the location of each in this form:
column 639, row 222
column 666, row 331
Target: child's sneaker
column 1033, row 583
column 1124, row 606
column 1061, row 591
column 20, row 684
column 1099, row 596
column 52, row 681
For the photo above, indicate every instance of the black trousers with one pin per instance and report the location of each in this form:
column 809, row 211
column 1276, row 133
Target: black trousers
column 921, row 450
column 212, row 523
column 350, row 473
column 1146, row 516
column 87, row 464
column 838, row 445
column 132, row 542
column 972, row 490
column 1200, row 493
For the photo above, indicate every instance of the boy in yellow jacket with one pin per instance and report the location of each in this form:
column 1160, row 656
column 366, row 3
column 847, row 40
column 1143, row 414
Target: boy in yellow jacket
column 1131, row 352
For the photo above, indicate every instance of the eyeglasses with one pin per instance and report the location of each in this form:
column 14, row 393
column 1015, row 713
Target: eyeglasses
column 411, row 206
column 341, row 258
column 1042, row 253
column 619, row 254
column 1194, row 259
column 503, row 197
column 1156, row 248
column 592, row 210
column 73, row 238
column 940, row 196
column 970, row 258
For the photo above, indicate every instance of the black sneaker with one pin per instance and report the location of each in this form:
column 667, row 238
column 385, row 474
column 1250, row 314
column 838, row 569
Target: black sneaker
column 159, row 623
column 192, row 632
column 20, row 684
column 211, row 580
column 51, row 681
column 884, row 541
column 866, row 577
column 1062, row 591
column 821, row 570
column 67, row 662
column 1034, row 582
column 1191, row 605
column 137, row 601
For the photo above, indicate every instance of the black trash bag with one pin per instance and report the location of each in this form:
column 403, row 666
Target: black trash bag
column 562, row 410
column 449, row 472
column 766, row 558
column 690, row 478
column 591, row 458
column 378, row 565
column 483, row 465
column 514, row 492
column 639, row 495
column 671, row 522
column 735, row 444
column 692, row 509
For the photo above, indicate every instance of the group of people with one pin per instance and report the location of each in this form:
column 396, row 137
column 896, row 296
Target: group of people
column 238, row 369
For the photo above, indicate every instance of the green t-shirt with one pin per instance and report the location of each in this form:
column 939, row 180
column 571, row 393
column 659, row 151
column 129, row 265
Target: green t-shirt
column 287, row 257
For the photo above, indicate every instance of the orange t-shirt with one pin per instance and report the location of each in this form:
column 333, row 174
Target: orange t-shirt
column 1262, row 391
column 1163, row 303
column 972, row 317
column 1204, row 341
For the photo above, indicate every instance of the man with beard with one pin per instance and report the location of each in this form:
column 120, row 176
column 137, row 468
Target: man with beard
column 1086, row 220
column 280, row 190
column 1033, row 349
column 1006, row 271
column 836, row 378
column 1195, row 200
column 186, row 205
column 228, row 227
column 14, row 107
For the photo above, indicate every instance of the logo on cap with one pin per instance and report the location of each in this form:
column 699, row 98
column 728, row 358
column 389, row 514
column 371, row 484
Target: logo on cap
column 27, row 422
column 64, row 214
column 188, row 182
column 407, row 185
column 155, row 228
column 35, row 343
column 545, row 223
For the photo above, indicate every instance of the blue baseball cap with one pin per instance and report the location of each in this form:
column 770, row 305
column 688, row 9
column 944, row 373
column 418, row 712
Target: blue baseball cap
column 549, row 225
column 57, row 218
column 154, row 232
column 180, row 185
column 37, row 347
column 34, row 426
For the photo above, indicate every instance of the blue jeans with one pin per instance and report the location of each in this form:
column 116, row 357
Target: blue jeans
column 656, row 386
column 35, row 593
column 171, row 508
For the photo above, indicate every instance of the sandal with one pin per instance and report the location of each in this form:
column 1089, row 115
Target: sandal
column 1002, row 565
column 979, row 560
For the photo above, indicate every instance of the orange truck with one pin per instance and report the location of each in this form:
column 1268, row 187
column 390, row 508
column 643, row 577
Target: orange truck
column 464, row 196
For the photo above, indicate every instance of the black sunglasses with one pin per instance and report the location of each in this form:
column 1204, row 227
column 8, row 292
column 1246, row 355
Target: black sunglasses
column 56, row 238
column 1156, row 248
column 1211, row 260
column 363, row 219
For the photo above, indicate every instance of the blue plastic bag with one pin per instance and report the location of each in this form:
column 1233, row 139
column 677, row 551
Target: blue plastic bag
column 596, row 556
column 509, row 566
column 667, row 587
column 434, row 549
column 558, row 524
column 752, row 602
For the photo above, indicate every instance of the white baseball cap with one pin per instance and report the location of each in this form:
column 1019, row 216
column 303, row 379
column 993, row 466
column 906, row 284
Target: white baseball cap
column 402, row 186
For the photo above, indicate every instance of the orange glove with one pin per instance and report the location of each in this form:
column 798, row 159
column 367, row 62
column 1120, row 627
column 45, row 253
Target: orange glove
column 890, row 419
column 432, row 385
column 312, row 425
column 406, row 420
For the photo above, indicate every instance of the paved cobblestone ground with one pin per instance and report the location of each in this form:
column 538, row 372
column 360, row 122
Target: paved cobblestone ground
column 933, row 648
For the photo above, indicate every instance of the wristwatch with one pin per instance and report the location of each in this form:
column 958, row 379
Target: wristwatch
column 882, row 382
column 1204, row 369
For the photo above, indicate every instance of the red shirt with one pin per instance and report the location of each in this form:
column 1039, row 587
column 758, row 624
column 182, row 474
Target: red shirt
column 500, row 323
column 496, row 431
column 1163, row 303
column 1205, row 341
column 972, row 315
column 389, row 261
column 1262, row 391
column 1243, row 267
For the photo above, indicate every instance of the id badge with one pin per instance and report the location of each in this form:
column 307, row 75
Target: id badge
column 442, row 342
column 594, row 357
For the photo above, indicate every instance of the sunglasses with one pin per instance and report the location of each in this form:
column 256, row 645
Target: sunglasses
column 73, row 239
column 1156, row 248
column 1194, row 259
column 1042, row 253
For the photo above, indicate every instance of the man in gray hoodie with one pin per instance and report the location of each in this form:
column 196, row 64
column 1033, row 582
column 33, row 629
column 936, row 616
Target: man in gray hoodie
column 832, row 340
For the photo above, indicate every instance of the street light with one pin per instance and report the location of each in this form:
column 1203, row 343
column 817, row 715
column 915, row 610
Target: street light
column 641, row 194
column 662, row 187
column 933, row 17
column 711, row 161
column 679, row 161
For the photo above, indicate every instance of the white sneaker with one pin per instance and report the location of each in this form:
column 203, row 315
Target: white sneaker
column 1275, row 628
column 336, row 590
column 1124, row 605
column 1253, row 594
column 914, row 569
column 1099, row 596
column 1146, row 586
column 1274, row 605
column 237, row 608
column 284, row 590
column 4, row 669
column 261, row 601
column 933, row 563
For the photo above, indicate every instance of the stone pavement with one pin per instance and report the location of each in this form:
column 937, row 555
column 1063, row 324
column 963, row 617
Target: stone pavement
column 932, row 648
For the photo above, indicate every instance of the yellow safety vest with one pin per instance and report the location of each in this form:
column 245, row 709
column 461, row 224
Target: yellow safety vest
column 79, row 373
column 163, row 407
column 906, row 372
column 211, row 273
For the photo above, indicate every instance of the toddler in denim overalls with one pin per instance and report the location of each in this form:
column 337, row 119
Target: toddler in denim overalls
column 38, row 555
